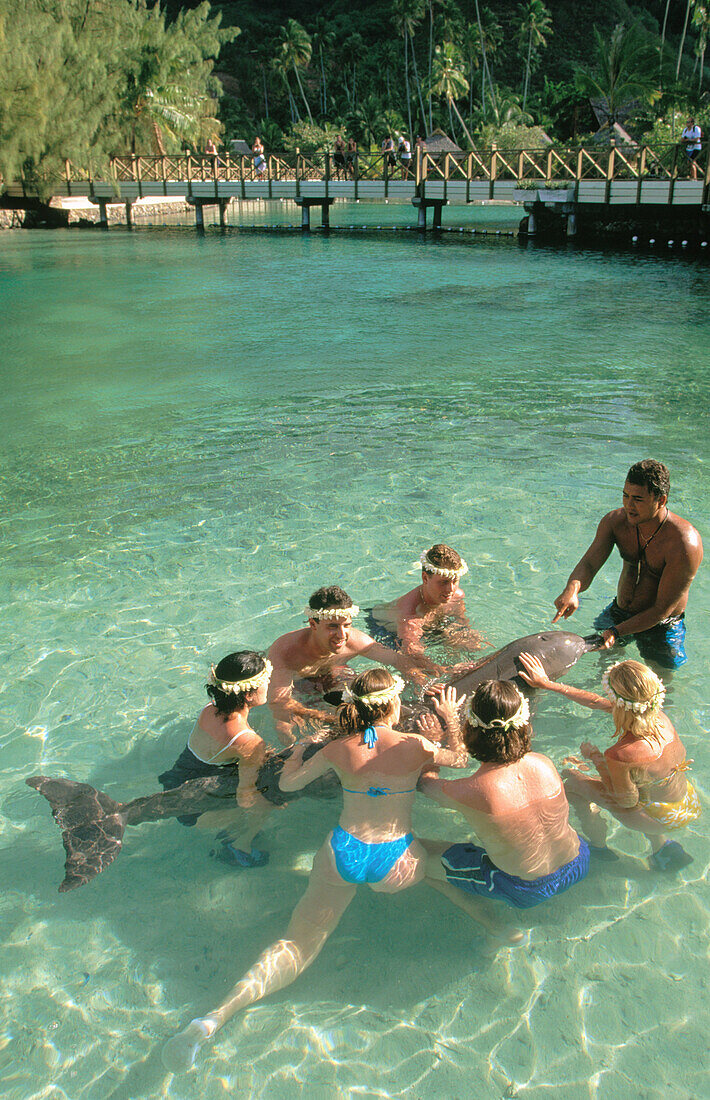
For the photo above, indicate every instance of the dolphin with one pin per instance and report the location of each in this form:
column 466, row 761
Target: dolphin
column 93, row 824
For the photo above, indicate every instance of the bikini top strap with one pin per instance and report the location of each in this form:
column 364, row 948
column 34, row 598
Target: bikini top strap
column 228, row 745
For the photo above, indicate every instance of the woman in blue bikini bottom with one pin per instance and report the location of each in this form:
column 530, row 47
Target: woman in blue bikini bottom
column 373, row 843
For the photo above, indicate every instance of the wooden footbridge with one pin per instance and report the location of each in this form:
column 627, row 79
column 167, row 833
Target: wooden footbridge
column 562, row 180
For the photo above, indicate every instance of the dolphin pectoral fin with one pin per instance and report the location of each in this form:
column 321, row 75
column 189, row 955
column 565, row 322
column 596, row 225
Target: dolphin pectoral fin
column 92, row 826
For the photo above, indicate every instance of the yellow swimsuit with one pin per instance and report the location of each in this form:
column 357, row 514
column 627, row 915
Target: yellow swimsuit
column 675, row 814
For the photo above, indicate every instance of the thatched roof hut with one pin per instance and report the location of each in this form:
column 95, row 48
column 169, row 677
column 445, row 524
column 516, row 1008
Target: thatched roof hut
column 437, row 143
column 239, row 148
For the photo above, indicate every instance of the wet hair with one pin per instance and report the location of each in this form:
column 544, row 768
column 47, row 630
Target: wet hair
column 496, row 699
column 330, row 596
column 443, row 557
column 636, row 683
column 355, row 716
column 235, row 666
column 652, row 475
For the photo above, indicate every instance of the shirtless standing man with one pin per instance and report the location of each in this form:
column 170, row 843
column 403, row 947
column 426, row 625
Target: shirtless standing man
column 661, row 554
column 517, row 807
column 319, row 652
column 438, row 597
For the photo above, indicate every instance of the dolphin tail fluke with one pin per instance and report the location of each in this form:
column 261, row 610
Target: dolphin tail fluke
column 92, row 826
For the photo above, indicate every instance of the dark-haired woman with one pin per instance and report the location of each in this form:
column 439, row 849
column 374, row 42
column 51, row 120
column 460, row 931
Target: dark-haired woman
column 378, row 768
column 526, row 850
column 223, row 739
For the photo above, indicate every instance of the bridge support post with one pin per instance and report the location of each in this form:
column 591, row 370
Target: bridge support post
column 572, row 224
column 532, row 228
column 422, row 206
column 199, row 217
column 223, row 204
column 129, row 215
column 306, row 204
column 103, row 214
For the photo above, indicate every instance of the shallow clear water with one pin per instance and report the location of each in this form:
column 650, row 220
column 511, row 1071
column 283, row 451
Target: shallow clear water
column 197, row 432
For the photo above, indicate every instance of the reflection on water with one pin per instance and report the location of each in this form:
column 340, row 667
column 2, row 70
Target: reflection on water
column 197, row 434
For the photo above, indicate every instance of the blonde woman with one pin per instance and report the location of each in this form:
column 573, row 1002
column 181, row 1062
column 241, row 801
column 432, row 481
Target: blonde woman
column 641, row 778
column 378, row 768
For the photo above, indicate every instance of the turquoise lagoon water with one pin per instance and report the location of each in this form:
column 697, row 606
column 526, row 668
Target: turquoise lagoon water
column 196, row 433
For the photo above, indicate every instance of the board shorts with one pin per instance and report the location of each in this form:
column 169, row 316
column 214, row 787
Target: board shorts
column 664, row 643
column 380, row 633
column 469, row 868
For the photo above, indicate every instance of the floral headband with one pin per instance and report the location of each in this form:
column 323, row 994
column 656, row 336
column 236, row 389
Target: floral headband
column 331, row 614
column 451, row 574
column 374, row 698
column 234, row 687
column 655, row 702
column 521, row 716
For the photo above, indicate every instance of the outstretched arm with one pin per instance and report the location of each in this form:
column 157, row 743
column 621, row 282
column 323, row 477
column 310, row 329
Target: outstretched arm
column 586, row 569
column 418, row 668
column 296, row 775
column 288, row 712
column 536, row 676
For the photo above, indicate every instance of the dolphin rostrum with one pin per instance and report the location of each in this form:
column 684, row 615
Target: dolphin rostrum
column 93, row 824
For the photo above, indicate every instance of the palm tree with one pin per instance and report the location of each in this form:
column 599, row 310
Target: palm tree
column 323, row 41
column 295, row 53
column 489, row 37
column 701, row 20
column 536, row 25
column 624, row 71
column 682, row 38
column 406, row 14
column 449, row 79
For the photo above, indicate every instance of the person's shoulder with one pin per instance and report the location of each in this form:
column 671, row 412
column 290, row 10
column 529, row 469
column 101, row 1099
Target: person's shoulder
column 684, row 531
column 631, row 750
column 407, row 604
column 284, row 646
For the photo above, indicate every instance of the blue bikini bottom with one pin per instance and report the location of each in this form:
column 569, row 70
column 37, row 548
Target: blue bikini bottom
column 360, row 862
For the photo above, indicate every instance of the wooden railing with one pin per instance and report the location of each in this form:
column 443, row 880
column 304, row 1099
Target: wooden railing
column 554, row 164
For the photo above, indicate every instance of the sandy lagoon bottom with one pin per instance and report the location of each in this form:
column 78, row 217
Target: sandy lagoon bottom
column 198, row 434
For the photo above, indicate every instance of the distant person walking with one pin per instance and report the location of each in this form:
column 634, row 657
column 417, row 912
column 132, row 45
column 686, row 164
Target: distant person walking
column 210, row 148
column 259, row 158
column 339, row 156
column 351, row 157
column 404, row 152
column 691, row 137
column 388, row 158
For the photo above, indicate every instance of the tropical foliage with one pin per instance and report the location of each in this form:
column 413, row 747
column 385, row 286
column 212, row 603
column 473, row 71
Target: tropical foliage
column 81, row 79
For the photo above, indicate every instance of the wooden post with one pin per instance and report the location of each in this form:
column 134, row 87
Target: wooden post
column 706, row 184
column 241, row 176
column 421, row 218
column 494, row 169
column 447, row 160
column 548, row 167
column 305, row 217
column 298, row 181
column 199, row 217
column 356, row 165
column 610, row 170
column 223, row 203
column 103, row 214
column 325, row 215
column 129, row 215
column 642, row 172
column 436, row 213
column 67, row 172
column 327, row 181
column 469, row 173
column 418, row 167
column 139, row 177
column 674, row 176
column 163, row 174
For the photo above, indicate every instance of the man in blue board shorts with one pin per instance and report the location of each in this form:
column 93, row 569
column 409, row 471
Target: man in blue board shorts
column 661, row 553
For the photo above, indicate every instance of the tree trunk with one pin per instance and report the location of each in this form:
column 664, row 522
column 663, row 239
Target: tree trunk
column 463, row 124
column 682, row 41
column 418, row 83
column 406, row 83
column 324, row 96
column 266, row 94
column 663, row 41
column 486, row 70
column 431, row 54
column 298, row 81
column 527, row 70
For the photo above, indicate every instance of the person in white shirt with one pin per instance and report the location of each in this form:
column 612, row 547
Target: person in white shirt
column 691, row 136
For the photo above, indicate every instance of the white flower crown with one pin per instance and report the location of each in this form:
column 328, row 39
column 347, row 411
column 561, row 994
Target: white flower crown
column 234, row 687
column 636, row 706
column 451, row 574
column 375, row 698
column 331, row 614
column 521, row 716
